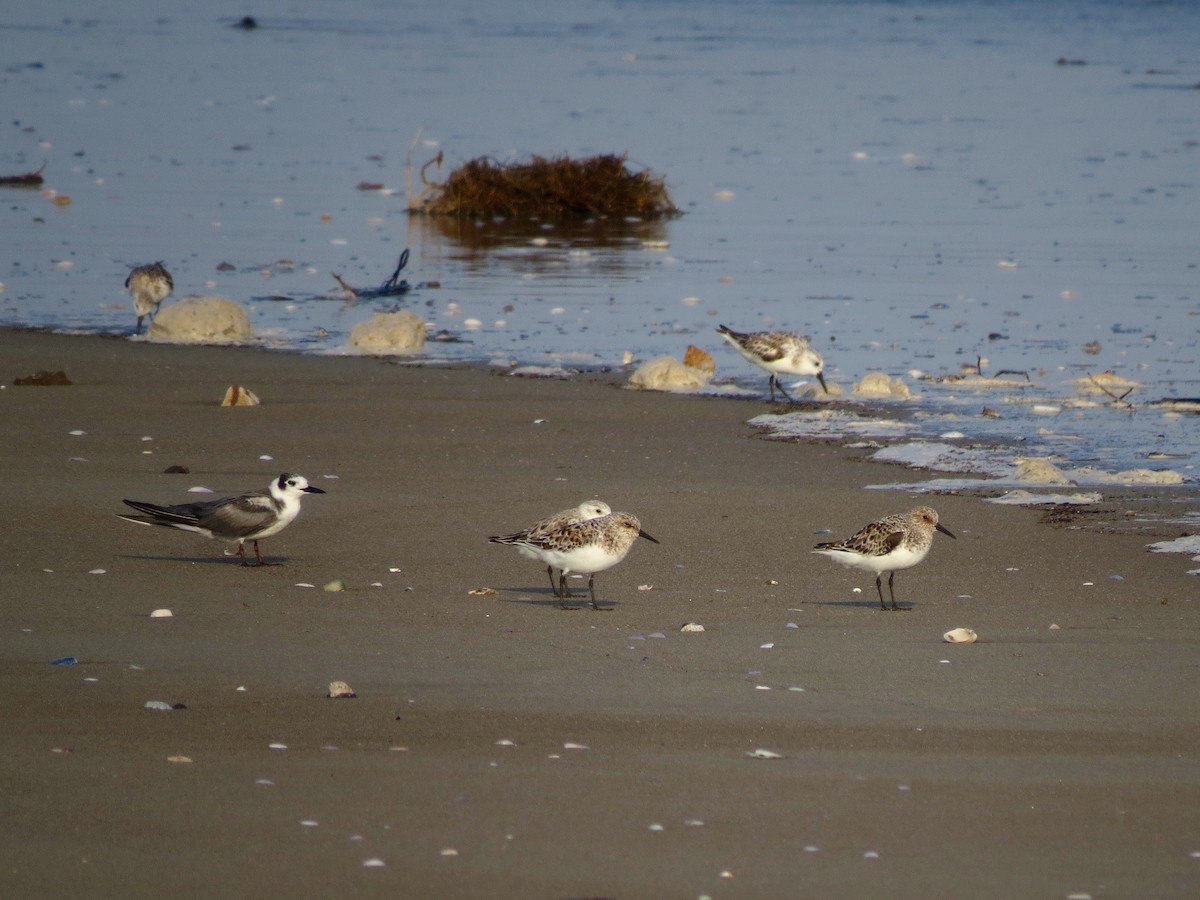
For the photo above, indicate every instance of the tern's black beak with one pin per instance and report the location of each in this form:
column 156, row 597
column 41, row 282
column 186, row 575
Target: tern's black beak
column 944, row 530
column 313, row 490
column 646, row 536
column 821, row 378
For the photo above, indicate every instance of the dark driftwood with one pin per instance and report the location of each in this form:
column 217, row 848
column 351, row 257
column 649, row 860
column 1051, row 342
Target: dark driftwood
column 390, row 288
column 29, row 179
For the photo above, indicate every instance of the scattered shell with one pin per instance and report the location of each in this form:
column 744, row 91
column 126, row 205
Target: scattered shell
column 179, row 759
column 645, row 587
column 236, row 395
column 373, row 863
column 760, row 753
column 277, row 746
column 158, row 704
column 449, row 851
column 960, row 636
column 161, row 614
column 334, row 586
column 571, row 745
column 339, row 689
column 482, row 592
column 692, row 626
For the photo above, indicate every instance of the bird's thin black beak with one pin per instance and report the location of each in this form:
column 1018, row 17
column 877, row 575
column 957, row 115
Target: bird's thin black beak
column 944, row 530
column 647, row 537
column 821, row 378
column 313, row 490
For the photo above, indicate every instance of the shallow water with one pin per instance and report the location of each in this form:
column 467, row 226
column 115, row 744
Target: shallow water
column 916, row 185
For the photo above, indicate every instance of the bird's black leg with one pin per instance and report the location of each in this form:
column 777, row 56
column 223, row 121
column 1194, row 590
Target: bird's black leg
column 138, row 329
column 879, row 587
column 553, row 583
column 563, row 594
column 775, row 383
column 592, row 591
column 892, row 591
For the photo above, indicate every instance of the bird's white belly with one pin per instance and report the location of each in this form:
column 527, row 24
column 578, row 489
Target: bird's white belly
column 900, row 558
column 581, row 560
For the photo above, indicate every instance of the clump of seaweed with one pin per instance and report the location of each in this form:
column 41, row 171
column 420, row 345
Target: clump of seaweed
column 557, row 188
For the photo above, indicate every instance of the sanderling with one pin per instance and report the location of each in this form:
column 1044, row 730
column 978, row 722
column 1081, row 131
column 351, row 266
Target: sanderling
column 526, row 541
column 580, row 546
column 893, row 543
column 245, row 517
column 779, row 352
column 149, row 286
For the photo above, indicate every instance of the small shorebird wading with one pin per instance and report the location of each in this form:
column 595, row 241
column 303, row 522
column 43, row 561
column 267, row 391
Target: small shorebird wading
column 244, row 517
column 575, row 545
column 893, row 543
column 780, row 353
column 149, row 286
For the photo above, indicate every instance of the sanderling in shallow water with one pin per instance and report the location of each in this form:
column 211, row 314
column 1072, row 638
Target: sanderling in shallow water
column 580, row 546
column 893, row 543
column 526, row 541
column 245, row 517
column 149, row 286
column 779, row 352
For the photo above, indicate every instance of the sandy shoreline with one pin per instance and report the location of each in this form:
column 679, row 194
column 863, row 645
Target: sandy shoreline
column 1037, row 762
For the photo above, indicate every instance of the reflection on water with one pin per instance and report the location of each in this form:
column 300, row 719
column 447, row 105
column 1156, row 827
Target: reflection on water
column 613, row 248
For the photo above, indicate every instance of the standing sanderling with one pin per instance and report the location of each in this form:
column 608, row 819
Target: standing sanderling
column 526, row 541
column 149, row 286
column 779, row 352
column 245, row 517
column 893, row 543
column 581, row 546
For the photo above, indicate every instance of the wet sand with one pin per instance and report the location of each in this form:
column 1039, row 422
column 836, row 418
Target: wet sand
column 1037, row 762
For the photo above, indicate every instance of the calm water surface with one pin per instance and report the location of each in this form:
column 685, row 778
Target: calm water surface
column 916, row 185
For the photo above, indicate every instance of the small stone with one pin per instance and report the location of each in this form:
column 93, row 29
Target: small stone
column 692, row 626
column 339, row 689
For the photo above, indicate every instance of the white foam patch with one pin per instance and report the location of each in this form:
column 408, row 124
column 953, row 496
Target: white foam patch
column 1028, row 498
column 1189, row 544
column 828, row 423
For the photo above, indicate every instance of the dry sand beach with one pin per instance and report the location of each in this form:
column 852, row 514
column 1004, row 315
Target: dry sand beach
column 499, row 747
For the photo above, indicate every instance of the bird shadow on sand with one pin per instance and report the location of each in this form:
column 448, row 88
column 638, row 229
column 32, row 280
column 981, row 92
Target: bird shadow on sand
column 269, row 562
column 864, row 603
column 543, row 596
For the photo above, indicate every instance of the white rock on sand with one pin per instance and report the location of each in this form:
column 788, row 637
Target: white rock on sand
column 201, row 320
column 395, row 332
column 666, row 373
column 877, row 385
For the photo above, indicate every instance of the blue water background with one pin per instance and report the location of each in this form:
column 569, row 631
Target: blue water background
column 916, row 185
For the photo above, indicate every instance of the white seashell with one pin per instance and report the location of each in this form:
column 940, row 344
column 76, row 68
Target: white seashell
column 692, row 626
column 236, row 395
column 334, row 586
column 760, row 753
column 340, row 689
column 158, row 704
column 960, row 636
column 161, row 614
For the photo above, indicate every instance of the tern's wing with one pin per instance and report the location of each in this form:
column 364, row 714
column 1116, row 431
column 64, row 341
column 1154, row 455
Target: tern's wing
column 236, row 516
